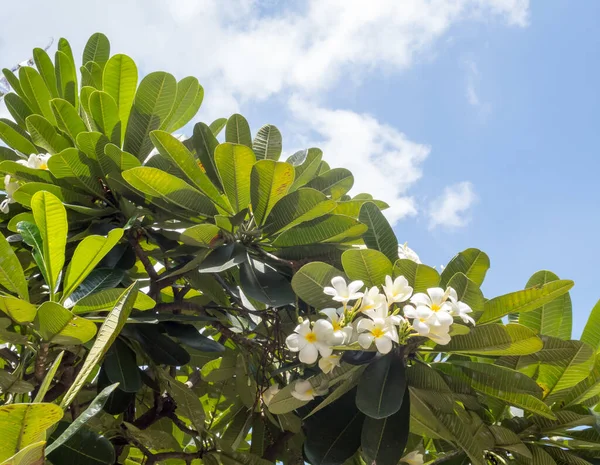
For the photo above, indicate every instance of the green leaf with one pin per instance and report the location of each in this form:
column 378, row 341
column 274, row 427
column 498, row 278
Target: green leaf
column 91, row 75
column 160, row 348
column 234, row 165
column 217, row 126
column 188, row 403
column 87, row 255
column 175, row 151
column 523, row 301
column 306, row 163
column 556, row 374
column 105, row 112
column 67, row 118
column 20, row 311
column 383, row 441
column 51, row 219
column 295, row 208
column 18, row 108
column 352, row 207
column 267, row 143
column 66, row 77
column 381, row 389
column 12, row 276
column 591, row 332
column 152, row 105
column 25, row 424
column 308, row 283
column 120, row 81
column 333, row 183
column 237, row 131
column 420, row 277
column 31, row 236
column 187, row 102
column 96, row 49
column 38, row 95
column 189, row 335
column 115, row 160
column 58, row 325
column 43, row 389
column 205, row 143
column 97, row 280
column 495, row 339
column 270, row 182
column 223, row 258
column 108, row 332
column 44, row 135
column 263, row 283
column 105, row 300
column 16, row 138
column 200, row 235
column 33, row 454
column 327, row 228
column 121, row 367
column 73, row 167
column 10, row 383
column 472, row 262
column 157, row 183
column 73, row 428
column 467, row 291
column 46, row 69
column 380, row 235
column 369, row 266
column 85, row 447
column 463, row 436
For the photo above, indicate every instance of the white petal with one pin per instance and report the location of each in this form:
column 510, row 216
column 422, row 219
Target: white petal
column 294, row 341
column 355, row 286
column 324, row 349
column 444, row 318
column 303, row 328
column 339, row 284
column 365, row 325
column 421, row 299
column 452, row 294
column 384, row 345
column 329, row 291
column 365, row 340
column 436, row 294
column 410, row 311
column 331, row 313
column 323, row 329
column 309, row 354
column 348, row 332
column 420, row 327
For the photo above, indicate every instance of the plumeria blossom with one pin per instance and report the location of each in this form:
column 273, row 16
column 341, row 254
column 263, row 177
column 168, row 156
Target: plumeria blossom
column 425, row 323
column 397, row 290
column 413, row 458
column 38, row 162
column 372, row 299
column 270, row 393
column 437, row 301
column 405, row 252
column 311, row 342
column 342, row 292
column 9, row 187
column 304, row 390
column 327, row 364
column 379, row 328
column 341, row 333
column 458, row 308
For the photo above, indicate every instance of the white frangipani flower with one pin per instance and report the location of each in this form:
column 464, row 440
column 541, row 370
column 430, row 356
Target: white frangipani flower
column 436, row 300
column 378, row 328
column 270, row 393
column 327, row 364
column 342, row 292
column 304, row 390
column 425, row 323
column 397, row 290
column 405, row 252
column 38, row 162
column 9, row 187
column 311, row 342
column 372, row 299
column 413, row 458
column 341, row 333
column 458, row 308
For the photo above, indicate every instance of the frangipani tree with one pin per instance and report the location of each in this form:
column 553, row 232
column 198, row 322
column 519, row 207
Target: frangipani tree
column 170, row 299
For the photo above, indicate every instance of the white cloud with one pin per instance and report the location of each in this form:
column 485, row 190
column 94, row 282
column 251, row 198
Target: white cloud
column 385, row 163
column 451, row 209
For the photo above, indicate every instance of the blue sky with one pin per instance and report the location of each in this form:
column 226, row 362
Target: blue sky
column 475, row 119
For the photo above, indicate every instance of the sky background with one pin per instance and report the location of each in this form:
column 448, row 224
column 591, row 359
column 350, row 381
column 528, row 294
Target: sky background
column 476, row 120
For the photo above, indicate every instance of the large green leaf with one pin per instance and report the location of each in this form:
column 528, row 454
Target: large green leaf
column 104, row 301
column 97, row 49
column 591, row 332
column 87, row 255
column 160, row 348
column 97, row 280
column 237, row 131
column 295, row 208
column 44, row 135
column 383, row 441
column 66, row 77
column 58, row 325
column 15, row 137
column 77, row 170
column 108, row 332
column 308, row 283
column 18, row 310
column 157, row 183
column 121, row 367
column 25, row 424
column 333, row 183
column 91, row 75
column 12, row 276
column 462, row 436
column 120, row 81
column 205, row 143
column 33, row 454
column 38, row 95
column 467, row 291
column 523, row 301
column 381, row 389
column 369, row 266
column 188, row 403
column 270, row 181
column 67, row 118
column 51, row 219
column 18, row 108
column 495, row 339
column 553, row 318
column 84, row 447
column 187, row 102
column 265, row 284
column 306, row 164
column 105, row 112
column 327, row 228
column 380, row 235
column 234, row 164
column 152, row 105
column 46, row 69
column 267, row 143
column 472, row 262
column 420, row 277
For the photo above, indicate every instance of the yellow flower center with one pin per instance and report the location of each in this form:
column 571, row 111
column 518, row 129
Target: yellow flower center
column 43, row 166
column 336, row 326
column 435, row 307
column 377, row 332
column 310, row 392
column 311, row 337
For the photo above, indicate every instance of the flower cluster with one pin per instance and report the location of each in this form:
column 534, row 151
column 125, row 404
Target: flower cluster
column 39, row 162
column 375, row 319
